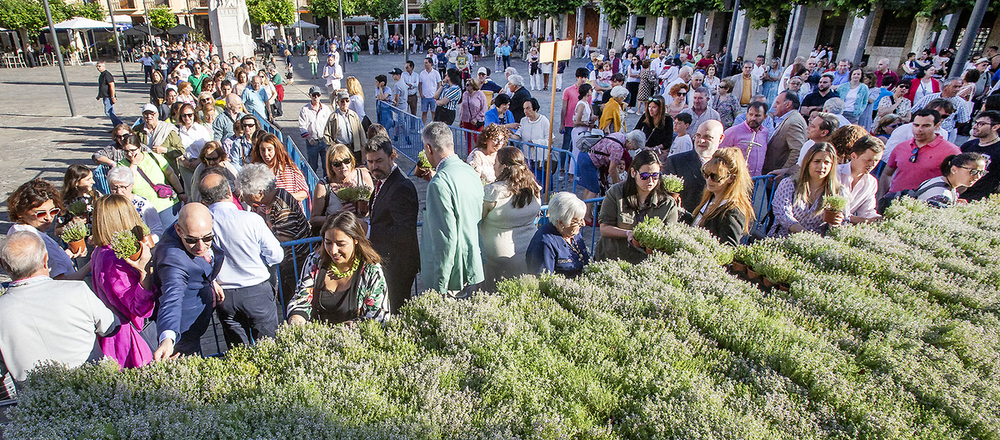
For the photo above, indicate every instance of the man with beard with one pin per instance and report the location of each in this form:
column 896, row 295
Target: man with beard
column 817, row 98
column 750, row 137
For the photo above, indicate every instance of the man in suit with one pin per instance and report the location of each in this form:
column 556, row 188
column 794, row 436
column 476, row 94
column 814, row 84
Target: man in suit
column 688, row 164
column 451, row 262
column 745, row 85
column 344, row 127
column 393, row 223
column 784, row 146
column 186, row 267
column 42, row 319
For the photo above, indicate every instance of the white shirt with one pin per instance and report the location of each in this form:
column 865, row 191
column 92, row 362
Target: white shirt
column 249, row 246
column 312, row 122
column 333, row 74
column 59, row 262
column 535, row 132
column 429, row 82
column 194, row 139
column 682, row 144
column 411, row 80
column 862, row 202
column 358, row 105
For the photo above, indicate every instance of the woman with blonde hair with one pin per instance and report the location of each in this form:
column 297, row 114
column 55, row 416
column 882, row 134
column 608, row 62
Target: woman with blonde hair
column 124, row 285
column 726, row 210
column 357, row 101
column 341, row 172
column 798, row 202
column 206, row 109
column 185, row 93
column 484, row 155
column 510, row 206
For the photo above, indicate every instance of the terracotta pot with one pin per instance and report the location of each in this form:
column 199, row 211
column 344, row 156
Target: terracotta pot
column 362, row 207
column 830, row 216
column 148, row 239
column 677, row 198
column 783, row 287
column 767, row 282
column 421, row 172
column 739, row 267
column 751, row 274
column 135, row 256
column 77, row 246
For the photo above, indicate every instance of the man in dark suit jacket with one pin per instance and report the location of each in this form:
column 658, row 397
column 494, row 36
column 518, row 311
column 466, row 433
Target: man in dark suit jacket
column 688, row 164
column 783, row 148
column 393, row 222
column 186, row 267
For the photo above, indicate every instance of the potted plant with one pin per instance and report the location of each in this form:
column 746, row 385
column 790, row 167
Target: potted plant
column 357, row 194
column 423, row 165
column 73, row 234
column 125, row 245
column 79, row 208
column 673, row 184
column 833, row 205
column 147, row 238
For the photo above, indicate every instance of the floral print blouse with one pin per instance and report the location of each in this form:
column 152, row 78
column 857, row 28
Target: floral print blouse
column 728, row 108
column 373, row 295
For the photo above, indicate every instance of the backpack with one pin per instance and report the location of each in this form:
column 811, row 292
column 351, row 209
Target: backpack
column 888, row 198
column 587, row 141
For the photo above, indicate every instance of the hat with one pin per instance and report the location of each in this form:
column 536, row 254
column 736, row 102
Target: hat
column 342, row 94
column 483, row 70
column 600, row 58
column 396, row 71
column 983, row 60
column 150, row 108
column 315, row 89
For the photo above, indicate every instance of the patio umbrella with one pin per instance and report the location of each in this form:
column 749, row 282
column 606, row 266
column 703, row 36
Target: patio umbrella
column 81, row 23
column 304, row 25
column 141, row 30
column 180, row 30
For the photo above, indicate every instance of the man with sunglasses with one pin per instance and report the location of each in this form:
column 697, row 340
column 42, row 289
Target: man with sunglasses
column 920, row 158
column 186, row 266
column 248, row 312
column 985, row 141
column 312, row 122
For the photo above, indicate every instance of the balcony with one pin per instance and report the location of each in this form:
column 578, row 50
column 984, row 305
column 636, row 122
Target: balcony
column 126, row 4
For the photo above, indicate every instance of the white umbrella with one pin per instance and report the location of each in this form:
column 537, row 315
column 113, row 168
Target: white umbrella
column 81, row 23
column 304, row 25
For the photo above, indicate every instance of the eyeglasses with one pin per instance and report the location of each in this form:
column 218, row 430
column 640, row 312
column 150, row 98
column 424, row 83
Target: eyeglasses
column 913, row 158
column 336, row 164
column 975, row 172
column 194, row 240
column 131, row 150
column 715, row 177
column 577, row 223
column 249, row 125
column 981, row 123
column 50, row 213
column 206, row 99
column 213, row 159
column 115, row 188
column 647, row 176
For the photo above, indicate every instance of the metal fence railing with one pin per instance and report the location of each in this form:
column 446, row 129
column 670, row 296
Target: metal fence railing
column 297, row 157
column 763, row 194
column 404, row 130
column 563, row 168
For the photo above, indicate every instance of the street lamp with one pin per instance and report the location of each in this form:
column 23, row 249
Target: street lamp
column 62, row 64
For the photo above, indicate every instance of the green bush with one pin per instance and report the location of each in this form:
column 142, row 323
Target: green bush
column 671, row 348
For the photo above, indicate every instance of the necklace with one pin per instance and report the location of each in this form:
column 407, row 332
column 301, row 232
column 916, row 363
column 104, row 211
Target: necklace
column 573, row 247
column 337, row 274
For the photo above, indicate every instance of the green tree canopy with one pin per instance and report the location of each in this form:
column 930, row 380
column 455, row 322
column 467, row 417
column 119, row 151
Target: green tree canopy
column 446, row 10
column 331, row 8
column 271, row 11
column 162, row 17
column 29, row 15
column 383, row 9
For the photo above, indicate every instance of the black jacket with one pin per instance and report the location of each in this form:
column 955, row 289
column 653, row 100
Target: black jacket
column 688, row 166
column 727, row 226
column 393, row 232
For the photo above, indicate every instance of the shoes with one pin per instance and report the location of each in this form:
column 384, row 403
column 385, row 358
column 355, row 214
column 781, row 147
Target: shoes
column 632, row 111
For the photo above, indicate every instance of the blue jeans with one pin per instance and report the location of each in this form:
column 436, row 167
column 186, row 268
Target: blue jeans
column 315, row 156
column 567, row 142
column 109, row 109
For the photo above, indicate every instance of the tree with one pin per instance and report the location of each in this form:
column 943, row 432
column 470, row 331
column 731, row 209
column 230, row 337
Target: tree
column 331, row 9
column 617, row 11
column 91, row 10
column 677, row 9
column 278, row 12
column 27, row 17
column 769, row 13
column 162, row 17
column 382, row 9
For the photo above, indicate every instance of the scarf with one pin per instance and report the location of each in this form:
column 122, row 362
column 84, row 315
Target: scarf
column 159, row 134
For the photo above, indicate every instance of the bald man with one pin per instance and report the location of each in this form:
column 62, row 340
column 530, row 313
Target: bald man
column 186, row 268
column 688, row 164
column 222, row 127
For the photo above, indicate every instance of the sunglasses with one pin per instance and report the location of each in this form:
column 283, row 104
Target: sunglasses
column 913, row 158
column 50, row 213
column 647, row 176
column 122, row 136
column 974, row 172
column 131, row 150
column 187, row 115
column 249, row 125
column 206, row 99
column 194, row 240
column 316, row 95
column 336, row 164
column 715, row 177
column 212, row 159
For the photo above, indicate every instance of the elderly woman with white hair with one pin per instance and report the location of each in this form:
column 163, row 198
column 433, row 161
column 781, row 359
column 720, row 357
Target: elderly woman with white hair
column 835, row 106
column 519, row 95
column 558, row 247
column 120, row 181
column 612, row 118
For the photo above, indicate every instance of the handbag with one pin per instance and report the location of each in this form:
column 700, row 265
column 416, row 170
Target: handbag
column 162, row 191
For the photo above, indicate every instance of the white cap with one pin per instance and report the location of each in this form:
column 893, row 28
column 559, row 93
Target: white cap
column 150, row 108
column 483, row 71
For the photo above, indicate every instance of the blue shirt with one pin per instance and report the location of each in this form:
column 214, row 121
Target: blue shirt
column 248, row 245
column 255, row 101
column 839, row 79
column 493, row 117
column 549, row 252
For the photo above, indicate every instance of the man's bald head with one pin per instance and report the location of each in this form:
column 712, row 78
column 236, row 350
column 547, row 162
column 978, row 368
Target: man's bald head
column 193, row 223
column 23, row 255
column 214, row 188
column 233, row 103
column 708, row 138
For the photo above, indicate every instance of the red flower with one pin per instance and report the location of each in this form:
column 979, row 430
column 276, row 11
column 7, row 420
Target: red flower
column 369, row 302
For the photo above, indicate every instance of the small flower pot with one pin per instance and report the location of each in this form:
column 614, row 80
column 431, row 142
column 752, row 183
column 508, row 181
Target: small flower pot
column 783, row 287
column 677, row 198
column 767, row 282
column 830, row 216
column 148, row 240
column 77, row 246
column 135, row 256
column 362, row 207
column 739, row 267
column 751, row 274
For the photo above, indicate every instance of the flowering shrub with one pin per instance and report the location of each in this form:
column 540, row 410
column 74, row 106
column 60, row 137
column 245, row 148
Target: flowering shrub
column 889, row 330
column 671, row 237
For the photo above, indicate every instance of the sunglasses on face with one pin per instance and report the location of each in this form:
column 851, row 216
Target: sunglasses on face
column 194, row 240
column 125, row 136
column 337, row 164
column 894, row 125
column 131, row 150
column 50, row 213
column 249, row 125
column 975, row 172
column 648, row 176
column 715, row 177
column 316, row 95
column 187, row 115
column 212, row 159
column 206, row 99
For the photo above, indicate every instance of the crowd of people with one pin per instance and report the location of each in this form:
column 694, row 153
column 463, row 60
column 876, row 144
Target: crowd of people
column 206, row 212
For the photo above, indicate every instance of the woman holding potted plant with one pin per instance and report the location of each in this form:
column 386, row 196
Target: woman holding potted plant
column 342, row 281
column 798, row 203
column 341, row 173
column 123, row 278
column 726, row 210
column 627, row 203
column 33, row 207
column 857, row 178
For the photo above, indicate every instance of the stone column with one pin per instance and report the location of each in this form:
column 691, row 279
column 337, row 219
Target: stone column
column 740, row 41
column 602, row 34
column 855, row 47
column 661, row 30
column 921, row 34
column 581, row 13
column 632, row 23
column 948, row 34
column 230, row 25
column 709, row 25
column 697, row 31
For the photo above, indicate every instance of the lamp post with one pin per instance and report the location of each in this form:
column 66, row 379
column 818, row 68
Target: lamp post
column 114, row 28
column 62, row 64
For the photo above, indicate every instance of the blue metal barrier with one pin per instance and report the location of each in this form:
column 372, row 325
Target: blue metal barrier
column 544, row 218
column 563, row 162
column 763, row 194
column 404, row 130
column 101, row 179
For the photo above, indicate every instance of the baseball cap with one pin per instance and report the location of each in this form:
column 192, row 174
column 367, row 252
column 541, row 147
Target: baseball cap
column 983, row 60
column 150, row 108
column 396, row 71
column 315, row 89
column 483, row 71
column 342, row 94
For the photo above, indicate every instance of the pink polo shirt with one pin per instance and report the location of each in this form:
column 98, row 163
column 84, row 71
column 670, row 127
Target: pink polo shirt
column 571, row 95
column 910, row 175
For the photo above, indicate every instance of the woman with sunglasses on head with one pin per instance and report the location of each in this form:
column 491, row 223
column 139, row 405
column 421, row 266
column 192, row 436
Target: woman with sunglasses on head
column 656, row 125
column 125, row 286
column 193, row 137
column 628, row 203
column 33, row 207
column 957, row 171
column 341, row 172
column 342, row 281
column 798, row 202
column 213, row 156
column 726, row 210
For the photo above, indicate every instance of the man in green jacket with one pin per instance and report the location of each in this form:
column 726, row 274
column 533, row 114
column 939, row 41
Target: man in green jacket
column 450, row 259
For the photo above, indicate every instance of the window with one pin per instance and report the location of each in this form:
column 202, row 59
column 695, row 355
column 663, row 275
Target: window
column 893, row 31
